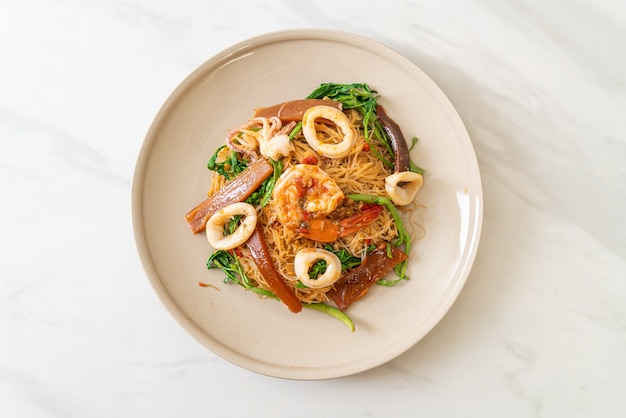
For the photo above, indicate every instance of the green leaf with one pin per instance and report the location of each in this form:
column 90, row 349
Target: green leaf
column 317, row 269
column 348, row 261
column 230, row 168
column 262, row 195
column 229, row 264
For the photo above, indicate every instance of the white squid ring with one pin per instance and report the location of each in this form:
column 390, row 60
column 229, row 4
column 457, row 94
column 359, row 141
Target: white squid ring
column 336, row 116
column 215, row 226
column 403, row 195
column 306, row 257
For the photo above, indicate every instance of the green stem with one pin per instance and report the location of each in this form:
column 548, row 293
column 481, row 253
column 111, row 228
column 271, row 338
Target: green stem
column 378, row 155
column 415, row 168
column 383, row 138
column 321, row 307
column 332, row 311
column 295, row 131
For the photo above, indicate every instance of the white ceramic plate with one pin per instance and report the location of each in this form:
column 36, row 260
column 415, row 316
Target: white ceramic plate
column 261, row 334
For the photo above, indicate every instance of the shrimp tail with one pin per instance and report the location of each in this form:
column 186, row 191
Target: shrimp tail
column 359, row 221
column 326, row 230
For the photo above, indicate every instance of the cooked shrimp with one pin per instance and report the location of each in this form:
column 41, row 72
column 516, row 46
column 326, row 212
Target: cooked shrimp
column 305, row 196
column 304, row 191
column 330, row 230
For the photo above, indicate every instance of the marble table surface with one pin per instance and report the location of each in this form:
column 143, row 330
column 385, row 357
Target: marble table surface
column 539, row 329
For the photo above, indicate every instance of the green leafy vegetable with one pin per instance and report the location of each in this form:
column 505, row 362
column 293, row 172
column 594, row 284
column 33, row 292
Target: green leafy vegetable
column 228, row 262
column 412, row 166
column 332, row 311
column 317, row 269
column 232, row 225
column 348, row 261
column 295, row 130
column 262, row 195
column 230, row 168
column 415, row 168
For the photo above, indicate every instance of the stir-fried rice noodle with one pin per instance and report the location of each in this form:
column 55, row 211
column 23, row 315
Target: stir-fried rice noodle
column 359, row 172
